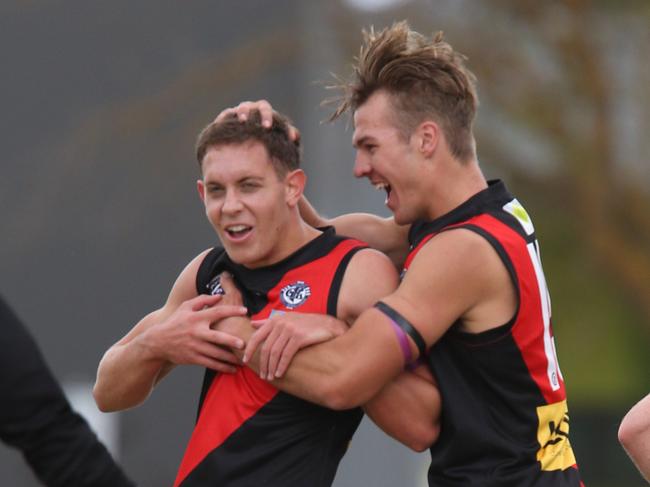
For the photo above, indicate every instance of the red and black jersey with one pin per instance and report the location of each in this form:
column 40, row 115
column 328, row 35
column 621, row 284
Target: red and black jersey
column 504, row 417
column 247, row 432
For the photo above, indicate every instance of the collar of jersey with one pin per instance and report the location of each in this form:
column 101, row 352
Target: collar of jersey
column 261, row 279
column 491, row 198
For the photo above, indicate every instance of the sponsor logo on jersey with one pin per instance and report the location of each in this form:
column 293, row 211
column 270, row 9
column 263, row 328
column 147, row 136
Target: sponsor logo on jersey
column 293, row 295
column 555, row 451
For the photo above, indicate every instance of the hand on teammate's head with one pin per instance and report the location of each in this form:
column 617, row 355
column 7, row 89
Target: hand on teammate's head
column 243, row 110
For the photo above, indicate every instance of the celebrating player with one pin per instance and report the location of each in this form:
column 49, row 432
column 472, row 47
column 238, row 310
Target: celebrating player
column 248, row 432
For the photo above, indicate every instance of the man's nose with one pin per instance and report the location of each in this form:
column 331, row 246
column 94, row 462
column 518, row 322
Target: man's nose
column 232, row 203
column 361, row 166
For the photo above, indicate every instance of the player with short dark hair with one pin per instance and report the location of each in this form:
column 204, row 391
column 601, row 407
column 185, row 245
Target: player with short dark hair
column 248, row 432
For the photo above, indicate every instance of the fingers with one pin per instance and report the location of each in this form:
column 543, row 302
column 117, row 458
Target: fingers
column 243, row 110
column 266, row 112
column 218, row 353
column 287, row 355
column 218, row 365
column 217, row 313
column 203, row 301
column 226, row 340
column 254, row 341
column 294, row 133
column 271, row 352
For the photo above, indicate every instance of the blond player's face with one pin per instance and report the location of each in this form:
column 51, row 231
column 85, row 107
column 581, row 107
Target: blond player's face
column 386, row 158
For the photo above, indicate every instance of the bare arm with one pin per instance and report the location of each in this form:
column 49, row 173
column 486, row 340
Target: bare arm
column 408, row 409
column 351, row 369
column 380, row 233
column 177, row 333
column 368, row 278
column 634, row 435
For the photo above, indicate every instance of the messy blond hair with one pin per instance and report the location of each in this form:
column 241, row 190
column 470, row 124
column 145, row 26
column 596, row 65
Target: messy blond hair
column 426, row 79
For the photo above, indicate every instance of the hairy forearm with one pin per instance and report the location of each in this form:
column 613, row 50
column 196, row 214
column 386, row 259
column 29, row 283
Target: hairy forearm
column 126, row 376
column 408, row 409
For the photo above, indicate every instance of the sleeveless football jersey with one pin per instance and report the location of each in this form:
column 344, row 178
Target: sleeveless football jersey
column 504, row 418
column 248, row 433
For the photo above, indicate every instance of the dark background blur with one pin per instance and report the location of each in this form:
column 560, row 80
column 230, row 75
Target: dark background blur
column 102, row 101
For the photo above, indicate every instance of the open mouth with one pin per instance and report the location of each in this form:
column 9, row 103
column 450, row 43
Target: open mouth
column 238, row 232
column 385, row 187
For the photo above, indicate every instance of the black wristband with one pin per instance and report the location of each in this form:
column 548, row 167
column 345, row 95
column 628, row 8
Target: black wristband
column 404, row 324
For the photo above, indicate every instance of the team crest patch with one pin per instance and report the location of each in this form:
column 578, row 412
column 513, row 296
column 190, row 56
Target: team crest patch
column 214, row 286
column 293, row 295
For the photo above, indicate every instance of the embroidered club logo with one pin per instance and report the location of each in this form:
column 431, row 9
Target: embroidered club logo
column 293, row 295
column 214, row 286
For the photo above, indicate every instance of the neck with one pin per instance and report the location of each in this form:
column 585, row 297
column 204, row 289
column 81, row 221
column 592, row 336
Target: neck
column 458, row 183
column 295, row 235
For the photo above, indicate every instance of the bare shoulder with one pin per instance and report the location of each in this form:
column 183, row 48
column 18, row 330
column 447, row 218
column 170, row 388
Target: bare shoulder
column 369, row 277
column 185, row 286
column 380, row 233
column 454, row 274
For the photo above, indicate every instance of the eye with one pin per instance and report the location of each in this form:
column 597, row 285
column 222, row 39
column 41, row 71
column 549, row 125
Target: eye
column 370, row 148
column 214, row 190
column 249, row 186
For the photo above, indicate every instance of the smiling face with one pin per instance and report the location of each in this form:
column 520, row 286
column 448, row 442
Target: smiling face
column 387, row 159
column 247, row 203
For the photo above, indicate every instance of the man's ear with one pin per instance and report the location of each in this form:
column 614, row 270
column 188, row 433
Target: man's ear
column 294, row 183
column 428, row 137
column 200, row 186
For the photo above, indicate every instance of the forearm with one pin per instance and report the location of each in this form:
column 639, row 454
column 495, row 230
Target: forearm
column 309, row 374
column 408, row 409
column 310, row 215
column 634, row 435
column 126, row 375
column 341, row 373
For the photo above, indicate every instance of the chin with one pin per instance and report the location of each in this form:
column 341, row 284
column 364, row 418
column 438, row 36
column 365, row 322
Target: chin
column 247, row 259
column 402, row 219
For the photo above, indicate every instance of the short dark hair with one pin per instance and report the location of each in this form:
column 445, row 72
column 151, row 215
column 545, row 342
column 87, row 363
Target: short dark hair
column 284, row 153
column 424, row 77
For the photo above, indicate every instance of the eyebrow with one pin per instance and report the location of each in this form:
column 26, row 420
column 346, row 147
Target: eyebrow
column 240, row 180
column 250, row 178
column 361, row 141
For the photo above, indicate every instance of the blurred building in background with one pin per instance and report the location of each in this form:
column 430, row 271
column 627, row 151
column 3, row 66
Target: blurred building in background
column 98, row 212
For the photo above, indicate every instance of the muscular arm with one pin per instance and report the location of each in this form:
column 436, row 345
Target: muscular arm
column 408, row 407
column 456, row 275
column 369, row 277
column 382, row 234
column 177, row 333
column 634, row 435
